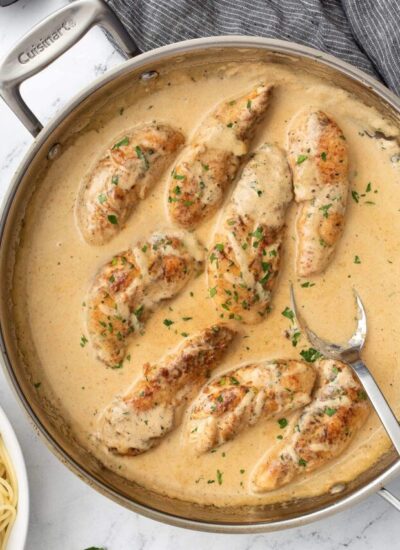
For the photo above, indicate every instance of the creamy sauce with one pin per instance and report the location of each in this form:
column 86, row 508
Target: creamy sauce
column 55, row 268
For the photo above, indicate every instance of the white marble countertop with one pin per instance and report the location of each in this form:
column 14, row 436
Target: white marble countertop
column 65, row 513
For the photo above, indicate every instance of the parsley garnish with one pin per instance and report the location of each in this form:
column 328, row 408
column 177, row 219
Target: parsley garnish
column 302, row 462
column 310, row 355
column 282, row 423
column 84, row 341
column 102, row 198
column 287, row 312
column 138, row 311
column 112, row 219
column 357, row 260
column 177, row 176
column 219, row 477
column 124, row 141
column 307, row 284
column 142, row 157
column 295, row 338
column 168, row 322
column 325, row 209
column 355, row 195
column 301, row 159
column 323, row 155
column 212, row 291
column 115, row 180
column 329, row 411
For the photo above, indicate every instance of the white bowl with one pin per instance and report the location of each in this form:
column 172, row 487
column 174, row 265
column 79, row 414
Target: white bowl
column 19, row 530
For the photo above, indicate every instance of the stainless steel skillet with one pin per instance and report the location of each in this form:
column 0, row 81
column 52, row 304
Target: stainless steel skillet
column 41, row 46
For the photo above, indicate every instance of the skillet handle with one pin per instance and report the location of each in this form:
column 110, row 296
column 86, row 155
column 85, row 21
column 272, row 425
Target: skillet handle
column 389, row 497
column 49, row 39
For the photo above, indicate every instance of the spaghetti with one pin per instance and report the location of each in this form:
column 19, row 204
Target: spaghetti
column 8, row 495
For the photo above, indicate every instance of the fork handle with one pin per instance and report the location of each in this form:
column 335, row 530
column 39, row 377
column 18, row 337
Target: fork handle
column 379, row 403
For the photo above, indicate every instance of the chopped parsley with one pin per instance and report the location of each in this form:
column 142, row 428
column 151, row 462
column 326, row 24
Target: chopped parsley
column 205, row 167
column 123, row 141
column 258, row 233
column 329, row 411
column 177, row 176
column 112, row 219
column 355, row 195
column 234, row 380
column 219, row 247
column 219, row 477
column 357, row 260
column 187, row 318
column 102, row 198
column 212, row 291
column 177, row 190
column 301, row 159
column 248, row 105
column 323, row 155
column 302, row 462
column 324, row 209
column 144, row 248
column 295, row 338
column 282, row 423
column 307, row 284
column 310, row 355
column 115, row 180
column 362, row 396
column 168, row 322
column 142, row 157
column 37, row 385
column 138, row 311
column 83, row 341
column 288, row 313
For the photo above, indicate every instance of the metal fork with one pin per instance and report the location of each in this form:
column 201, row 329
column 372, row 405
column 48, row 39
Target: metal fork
column 350, row 353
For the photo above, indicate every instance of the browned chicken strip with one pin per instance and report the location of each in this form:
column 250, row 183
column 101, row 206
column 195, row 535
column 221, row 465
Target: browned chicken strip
column 129, row 287
column 239, row 398
column 245, row 255
column 319, row 161
column 210, row 162
column 325, row 428
column 135, row 421
column 121, row 176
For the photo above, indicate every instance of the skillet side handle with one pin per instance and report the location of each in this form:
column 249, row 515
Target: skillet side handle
column 389, row 497
column 47, row 41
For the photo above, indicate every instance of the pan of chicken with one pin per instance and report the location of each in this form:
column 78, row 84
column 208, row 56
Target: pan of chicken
column 148, row 243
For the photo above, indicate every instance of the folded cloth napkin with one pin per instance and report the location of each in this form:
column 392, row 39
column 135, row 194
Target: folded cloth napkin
column 365, row 33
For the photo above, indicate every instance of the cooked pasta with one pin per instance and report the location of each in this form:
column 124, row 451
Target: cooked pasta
column 8, row 495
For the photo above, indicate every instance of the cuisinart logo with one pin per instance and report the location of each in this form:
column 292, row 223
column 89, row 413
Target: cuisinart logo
column 44, row 43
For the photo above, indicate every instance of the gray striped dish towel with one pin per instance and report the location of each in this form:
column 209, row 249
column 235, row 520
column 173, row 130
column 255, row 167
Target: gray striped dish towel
column 365, row 33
